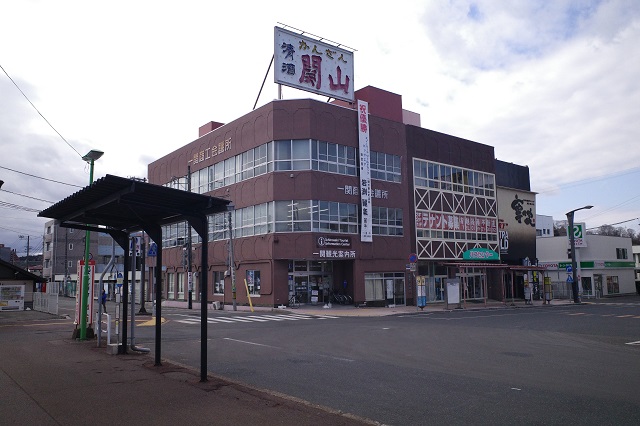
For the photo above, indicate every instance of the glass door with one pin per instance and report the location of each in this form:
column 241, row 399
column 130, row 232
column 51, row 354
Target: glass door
column 301, row 288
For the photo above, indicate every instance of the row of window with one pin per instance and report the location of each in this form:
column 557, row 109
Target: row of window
column 176, row 284
column 451, row 178
column 289, row 155
column 289, row 216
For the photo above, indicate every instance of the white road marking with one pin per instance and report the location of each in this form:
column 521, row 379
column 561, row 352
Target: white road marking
column 250, row 343
column 633, row 343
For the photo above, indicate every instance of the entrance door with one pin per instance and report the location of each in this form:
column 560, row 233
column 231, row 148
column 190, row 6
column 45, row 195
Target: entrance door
column 475, row 285
column 399, row 298
column 301, row 288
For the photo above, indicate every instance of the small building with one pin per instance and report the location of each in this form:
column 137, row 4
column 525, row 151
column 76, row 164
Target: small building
column 17, row 287
column 605, row 265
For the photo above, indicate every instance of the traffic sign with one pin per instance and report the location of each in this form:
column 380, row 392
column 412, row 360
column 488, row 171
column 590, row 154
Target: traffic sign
column 413, row 258
column 569, row 278
column 153, row 250
column 569, row 269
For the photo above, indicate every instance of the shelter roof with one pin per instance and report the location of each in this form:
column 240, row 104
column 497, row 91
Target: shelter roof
column 130, row 205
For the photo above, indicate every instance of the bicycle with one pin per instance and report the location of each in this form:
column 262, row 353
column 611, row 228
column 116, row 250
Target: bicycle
column 293, row 301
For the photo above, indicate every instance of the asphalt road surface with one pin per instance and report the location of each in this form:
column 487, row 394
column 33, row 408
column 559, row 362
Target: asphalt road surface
column 577, row 364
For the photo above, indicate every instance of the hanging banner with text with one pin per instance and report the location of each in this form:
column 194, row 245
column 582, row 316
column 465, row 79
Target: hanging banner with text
column 366, row 227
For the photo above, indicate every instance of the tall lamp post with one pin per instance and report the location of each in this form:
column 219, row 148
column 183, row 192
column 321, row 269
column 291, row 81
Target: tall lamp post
column 90, row 158
column 572, row 242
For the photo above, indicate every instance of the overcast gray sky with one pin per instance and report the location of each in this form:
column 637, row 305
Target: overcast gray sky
column 550, row 84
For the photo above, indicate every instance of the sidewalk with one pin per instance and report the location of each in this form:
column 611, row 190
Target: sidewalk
column 46, row 378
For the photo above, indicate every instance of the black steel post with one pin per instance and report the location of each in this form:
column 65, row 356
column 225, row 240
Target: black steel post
column 572, row 242
column 189, row 270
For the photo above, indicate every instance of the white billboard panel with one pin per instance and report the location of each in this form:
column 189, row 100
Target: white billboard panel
column 308, row 64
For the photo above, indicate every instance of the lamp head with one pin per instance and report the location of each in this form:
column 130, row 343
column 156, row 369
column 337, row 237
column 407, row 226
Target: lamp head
column 231, row 207
column 93, row 155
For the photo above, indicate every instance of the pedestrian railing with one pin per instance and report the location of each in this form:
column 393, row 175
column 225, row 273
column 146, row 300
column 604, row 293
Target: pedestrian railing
column 45, row 302
column 103, row 322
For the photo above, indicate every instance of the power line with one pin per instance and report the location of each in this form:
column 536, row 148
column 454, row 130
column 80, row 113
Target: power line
column 612, row 224
column 38, row 177
column 43, row 117
column 590, row 180
column 20, row 232
column 18, row 207
column 27, row 196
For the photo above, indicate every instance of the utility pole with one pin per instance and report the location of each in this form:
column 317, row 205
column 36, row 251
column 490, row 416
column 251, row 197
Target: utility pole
column 66, row 261
column 27, row 249
column 189, row 270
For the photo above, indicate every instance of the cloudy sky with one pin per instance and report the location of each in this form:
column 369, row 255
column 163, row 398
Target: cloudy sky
column 550, row 84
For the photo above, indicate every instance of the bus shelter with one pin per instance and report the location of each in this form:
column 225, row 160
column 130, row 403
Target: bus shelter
column 119, row 207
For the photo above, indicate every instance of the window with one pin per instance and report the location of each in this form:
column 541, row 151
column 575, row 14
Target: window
column 71, row 230
column 48, row 229
column 253, row 282
column 621, row 253
column 171, row 286
column 218, row 282
column 70, row 264
column 47, row 246
column 180, row 285
column 387, row 221
column 612, row 285
column 70, row 246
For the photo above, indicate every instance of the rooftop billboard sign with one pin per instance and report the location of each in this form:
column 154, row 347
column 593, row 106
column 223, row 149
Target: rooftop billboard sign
column 312, row 65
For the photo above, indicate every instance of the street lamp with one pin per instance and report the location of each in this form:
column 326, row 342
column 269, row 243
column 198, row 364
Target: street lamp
column 572, row 242
column 232, row 265
column 90, row 158
column 188, row 245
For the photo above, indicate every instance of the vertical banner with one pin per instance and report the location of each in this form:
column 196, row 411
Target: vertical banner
column 366, row 230
column 92, row 271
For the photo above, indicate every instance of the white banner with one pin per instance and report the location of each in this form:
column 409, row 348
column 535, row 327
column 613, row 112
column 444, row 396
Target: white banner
column 308, row 64
column 366, row 230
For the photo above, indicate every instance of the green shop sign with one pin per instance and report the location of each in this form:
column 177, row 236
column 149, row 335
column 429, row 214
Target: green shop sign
column 480, row 254
column 600, row 264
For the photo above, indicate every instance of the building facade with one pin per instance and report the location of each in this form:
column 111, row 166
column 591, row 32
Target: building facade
column 605, row 265
column 64, row 249
column 307, row 220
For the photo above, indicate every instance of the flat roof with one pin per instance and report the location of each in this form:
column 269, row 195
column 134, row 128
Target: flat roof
column 128, row 205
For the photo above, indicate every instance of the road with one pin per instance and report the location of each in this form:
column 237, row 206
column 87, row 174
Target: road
column 573, row 364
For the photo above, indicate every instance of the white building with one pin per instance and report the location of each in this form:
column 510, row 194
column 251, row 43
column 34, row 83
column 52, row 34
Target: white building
column 636, row 259
column 544, row 226
column 605, row 265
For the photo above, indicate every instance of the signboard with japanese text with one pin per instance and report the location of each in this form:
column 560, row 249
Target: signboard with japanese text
column 312, row 65
column 578, row 235
column 516, row 224
column 92, row 271
column 455, row 222
column 366, row 225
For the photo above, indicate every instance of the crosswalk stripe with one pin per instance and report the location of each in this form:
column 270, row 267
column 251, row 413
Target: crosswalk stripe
column 190, row 319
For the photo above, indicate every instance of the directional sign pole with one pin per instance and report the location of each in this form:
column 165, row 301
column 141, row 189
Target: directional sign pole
column 572, row 240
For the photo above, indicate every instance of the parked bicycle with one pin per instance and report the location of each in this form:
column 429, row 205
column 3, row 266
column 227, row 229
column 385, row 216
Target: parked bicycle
column 294, row 301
